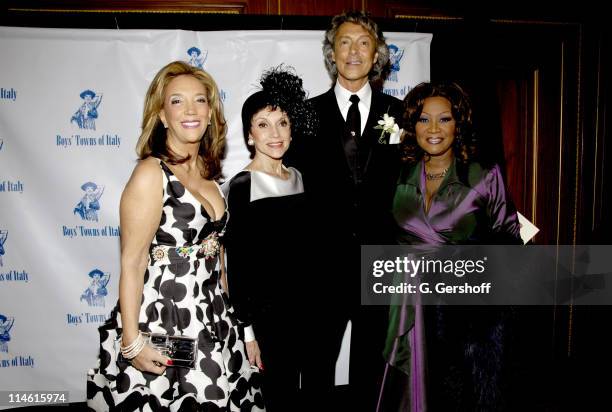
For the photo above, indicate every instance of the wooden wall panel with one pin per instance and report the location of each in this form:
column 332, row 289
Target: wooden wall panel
column 513, row 98
column 269, row 7
column 377, row 8
column 173, row 6
column 318, row 7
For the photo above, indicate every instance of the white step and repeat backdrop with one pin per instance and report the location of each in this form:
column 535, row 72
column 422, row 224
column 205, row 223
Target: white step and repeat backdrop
column 70, row 111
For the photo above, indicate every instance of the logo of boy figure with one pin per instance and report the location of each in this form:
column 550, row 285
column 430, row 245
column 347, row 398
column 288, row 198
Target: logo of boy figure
column 85, row 117
column 3, row 236
column 196, row 59
column 89, row 205
column 5, row 326
column 395, row 56
column 96, row 291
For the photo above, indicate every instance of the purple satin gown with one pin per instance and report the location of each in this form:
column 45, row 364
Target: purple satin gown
column 471, row 207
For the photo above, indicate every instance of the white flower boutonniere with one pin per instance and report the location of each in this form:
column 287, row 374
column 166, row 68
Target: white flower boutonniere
column 388, row 125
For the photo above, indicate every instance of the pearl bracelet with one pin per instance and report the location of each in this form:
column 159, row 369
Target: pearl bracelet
column 133, row 349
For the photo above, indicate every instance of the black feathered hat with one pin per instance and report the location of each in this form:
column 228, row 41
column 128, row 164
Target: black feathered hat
column 282, row 88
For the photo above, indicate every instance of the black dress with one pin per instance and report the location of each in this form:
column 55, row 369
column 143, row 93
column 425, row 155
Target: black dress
column 266, row 270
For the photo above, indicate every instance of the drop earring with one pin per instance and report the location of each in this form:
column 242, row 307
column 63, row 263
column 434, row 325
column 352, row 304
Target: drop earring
column 250, row 142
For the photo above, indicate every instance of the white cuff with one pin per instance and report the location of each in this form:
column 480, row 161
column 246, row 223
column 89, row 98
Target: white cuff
column 249, row 334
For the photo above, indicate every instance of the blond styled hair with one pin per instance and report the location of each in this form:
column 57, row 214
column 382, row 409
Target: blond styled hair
column 152, row 140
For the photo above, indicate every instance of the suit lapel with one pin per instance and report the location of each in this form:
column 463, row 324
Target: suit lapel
column 335, row 117
column 377, row 110
column 371, row 135
column 335, row 123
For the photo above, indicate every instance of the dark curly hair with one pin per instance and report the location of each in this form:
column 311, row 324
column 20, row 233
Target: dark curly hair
column 464, row 146
column 281, row 88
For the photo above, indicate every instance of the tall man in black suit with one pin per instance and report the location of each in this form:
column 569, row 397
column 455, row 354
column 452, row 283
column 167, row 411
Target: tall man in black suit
column 349, row 171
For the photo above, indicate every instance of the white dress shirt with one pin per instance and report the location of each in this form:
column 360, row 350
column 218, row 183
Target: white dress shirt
column 365, row 100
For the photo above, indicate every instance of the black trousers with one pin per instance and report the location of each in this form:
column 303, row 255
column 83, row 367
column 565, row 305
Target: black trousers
column 281, row 345
column 367, row 364
column 368, row 333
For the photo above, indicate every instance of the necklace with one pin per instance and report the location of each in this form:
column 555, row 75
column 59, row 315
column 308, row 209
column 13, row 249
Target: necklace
column 436, row 176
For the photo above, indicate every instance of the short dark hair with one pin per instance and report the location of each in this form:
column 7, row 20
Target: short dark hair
column 361, row 18
column 464, row 146
column 253, row 104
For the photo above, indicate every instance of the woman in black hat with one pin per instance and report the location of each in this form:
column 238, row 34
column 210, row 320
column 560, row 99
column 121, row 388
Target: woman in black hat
column 264, row 240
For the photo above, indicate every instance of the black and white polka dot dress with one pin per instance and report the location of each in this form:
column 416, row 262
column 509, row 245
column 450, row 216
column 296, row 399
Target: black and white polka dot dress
column 181, row 296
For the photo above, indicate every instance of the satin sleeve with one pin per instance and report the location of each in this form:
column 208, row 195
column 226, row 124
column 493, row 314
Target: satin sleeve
column 501, row 210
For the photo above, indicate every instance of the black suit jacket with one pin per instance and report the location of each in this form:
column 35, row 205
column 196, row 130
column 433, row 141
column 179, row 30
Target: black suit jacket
column 342, row 215
column 349, row 213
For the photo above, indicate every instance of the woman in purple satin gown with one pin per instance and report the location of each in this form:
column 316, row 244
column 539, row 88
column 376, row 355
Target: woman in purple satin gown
column 445, row 197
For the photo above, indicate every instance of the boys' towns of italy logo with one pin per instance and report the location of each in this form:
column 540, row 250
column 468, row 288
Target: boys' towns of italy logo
column 197, row 58
column 6, row 323
column 86, row 115
column 395, row 56
column 89, row 204
column 3, row 236
column 96, row 291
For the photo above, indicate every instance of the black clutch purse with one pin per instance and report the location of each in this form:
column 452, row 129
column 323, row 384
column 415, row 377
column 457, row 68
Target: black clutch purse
column 182, row 350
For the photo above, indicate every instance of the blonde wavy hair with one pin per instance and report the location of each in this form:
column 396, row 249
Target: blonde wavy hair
column 152, row 140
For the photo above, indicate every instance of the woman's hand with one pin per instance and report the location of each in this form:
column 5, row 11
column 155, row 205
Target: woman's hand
column 254, row 354
column 150, row 360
